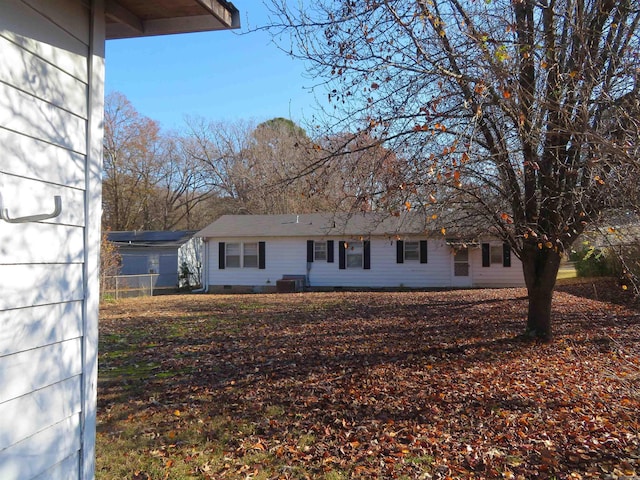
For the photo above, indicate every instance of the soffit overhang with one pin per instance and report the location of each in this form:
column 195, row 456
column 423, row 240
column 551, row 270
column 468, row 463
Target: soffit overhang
column 144, row 18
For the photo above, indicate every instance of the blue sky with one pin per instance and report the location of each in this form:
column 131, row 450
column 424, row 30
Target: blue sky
column 217, row 75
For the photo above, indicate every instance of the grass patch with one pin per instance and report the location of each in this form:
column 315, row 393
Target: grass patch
column 366, row 385
column 335, row 475
column 566, row 271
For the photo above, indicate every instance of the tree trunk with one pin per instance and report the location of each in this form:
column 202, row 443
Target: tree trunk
column 540, row 266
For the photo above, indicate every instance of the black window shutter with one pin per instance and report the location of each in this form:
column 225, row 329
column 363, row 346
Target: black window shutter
column 366, row 246
column 399, row 251
column 423, row 252
column 309, row 251
column 221, row 252
column 261, row 255
column 342, row 256
column 329, row 251
column 506, row 255
column 486, row 255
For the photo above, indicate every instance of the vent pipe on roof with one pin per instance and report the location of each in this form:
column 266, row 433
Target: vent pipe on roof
column 297, row 218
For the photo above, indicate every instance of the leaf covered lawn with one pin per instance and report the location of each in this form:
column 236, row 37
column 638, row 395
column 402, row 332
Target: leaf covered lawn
column 367, row 385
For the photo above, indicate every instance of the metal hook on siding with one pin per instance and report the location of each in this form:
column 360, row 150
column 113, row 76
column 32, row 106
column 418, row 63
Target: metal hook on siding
column 4, row 213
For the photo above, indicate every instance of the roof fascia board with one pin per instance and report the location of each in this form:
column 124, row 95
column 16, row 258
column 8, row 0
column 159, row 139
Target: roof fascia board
column 167, row 26
column 117, row 12
column 227, row 13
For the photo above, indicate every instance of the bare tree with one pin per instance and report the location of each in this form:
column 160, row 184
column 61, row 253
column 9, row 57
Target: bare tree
column 183, row 188
column 110, row 263
column 257, row 167
column 268, row 173
column 360, row 173
column 500, row 108
column 153, row 180
column 131, row 165
column 215, row 147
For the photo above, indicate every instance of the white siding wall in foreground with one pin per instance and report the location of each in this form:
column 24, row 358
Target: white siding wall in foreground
column 51, row 75
column 288, row 256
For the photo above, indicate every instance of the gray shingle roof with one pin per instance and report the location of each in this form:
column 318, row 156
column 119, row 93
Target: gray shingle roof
column 315, row 224
column 150, row 237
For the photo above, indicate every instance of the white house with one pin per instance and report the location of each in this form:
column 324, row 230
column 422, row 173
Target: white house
column 51, row 114
column 255, row 252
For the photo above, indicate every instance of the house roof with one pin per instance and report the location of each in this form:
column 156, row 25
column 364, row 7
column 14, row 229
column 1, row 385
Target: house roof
column 143, row 18
column 316, row 224
column 616, row 235
column 149, row 238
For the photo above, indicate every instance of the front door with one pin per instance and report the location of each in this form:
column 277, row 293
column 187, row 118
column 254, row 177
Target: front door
column 461, row 274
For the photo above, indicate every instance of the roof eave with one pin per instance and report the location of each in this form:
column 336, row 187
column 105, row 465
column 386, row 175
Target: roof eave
column 221, row 15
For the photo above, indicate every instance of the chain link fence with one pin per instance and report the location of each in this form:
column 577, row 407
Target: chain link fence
column 126, row 286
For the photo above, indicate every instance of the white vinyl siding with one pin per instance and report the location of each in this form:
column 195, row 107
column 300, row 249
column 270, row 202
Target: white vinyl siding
column 56, row 87
column 43, row 450
column 33, row 327
column 283, row 257
column 288, row 256
column 44, row 121
column 386, row 272
column 22, row 197
column 61, row 400
column 21, row 284
column 30, row 158
column 49, row 243
column 51, row 77
column 496, row 275
column 61, row 469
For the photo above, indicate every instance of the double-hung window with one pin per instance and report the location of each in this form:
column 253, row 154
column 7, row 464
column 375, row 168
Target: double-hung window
column 411, row 251
column 319, row 251
column 494, row 254
column 461, row 262
column 241, row 255
column 250, row 255
column 355, row 254
column 233, row 255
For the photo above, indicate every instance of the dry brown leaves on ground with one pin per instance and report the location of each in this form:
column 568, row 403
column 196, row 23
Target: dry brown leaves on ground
column 367, row 385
